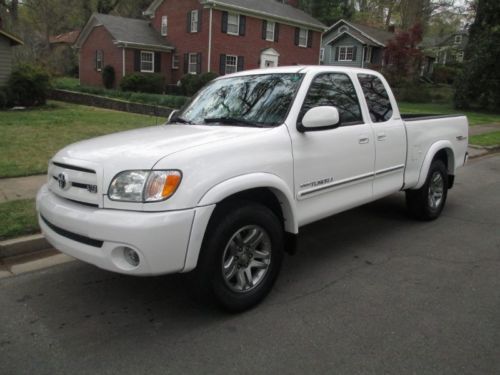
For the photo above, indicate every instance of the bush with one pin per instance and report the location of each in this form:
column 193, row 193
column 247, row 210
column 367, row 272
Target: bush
column 413, row 93
column 108, row 77
column 143, row 82
column 445, row 74
column 28, row 86
column 191, row 83
column 3, row 99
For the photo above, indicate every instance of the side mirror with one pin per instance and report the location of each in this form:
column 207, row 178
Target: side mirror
column 171, row 115
column 320, row 118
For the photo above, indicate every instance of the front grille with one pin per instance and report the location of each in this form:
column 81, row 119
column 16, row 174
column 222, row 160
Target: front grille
column 73, row 167
column 73, row 236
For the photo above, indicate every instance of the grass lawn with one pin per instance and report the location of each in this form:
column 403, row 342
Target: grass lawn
column 29, row 138
column 18, row 218
column 489, row 139
column 475, row 118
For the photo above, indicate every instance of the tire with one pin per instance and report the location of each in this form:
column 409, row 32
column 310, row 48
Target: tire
column 428, row 202
column 241, row 256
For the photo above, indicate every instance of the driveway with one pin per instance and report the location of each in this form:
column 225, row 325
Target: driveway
column 370, row 292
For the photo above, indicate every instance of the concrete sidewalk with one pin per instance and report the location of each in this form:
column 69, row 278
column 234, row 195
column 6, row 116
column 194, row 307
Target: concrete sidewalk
column 20, row 187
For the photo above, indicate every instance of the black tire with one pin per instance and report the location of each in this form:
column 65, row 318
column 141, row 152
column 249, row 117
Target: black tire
column 228, row 226
column 419, row 203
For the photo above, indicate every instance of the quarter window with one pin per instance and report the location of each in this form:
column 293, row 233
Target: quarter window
column 334, row 89
column 193, row 63
column 147, row 62
column 194, row 21
column 303, row 38
column 233, row 24
column 376, row 97
column 270, row 30
column 346, row 53
column 164, row 26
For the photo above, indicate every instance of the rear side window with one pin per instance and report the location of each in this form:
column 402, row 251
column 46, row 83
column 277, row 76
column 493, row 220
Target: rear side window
column 376, row 97
column 334, row 89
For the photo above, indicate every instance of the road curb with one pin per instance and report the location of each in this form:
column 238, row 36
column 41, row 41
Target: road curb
column 23, row 246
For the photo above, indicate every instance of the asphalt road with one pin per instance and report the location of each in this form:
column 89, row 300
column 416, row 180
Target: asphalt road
column 370, row 292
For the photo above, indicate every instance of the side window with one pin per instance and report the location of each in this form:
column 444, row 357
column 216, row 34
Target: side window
column 334, row 89
column 376, row 97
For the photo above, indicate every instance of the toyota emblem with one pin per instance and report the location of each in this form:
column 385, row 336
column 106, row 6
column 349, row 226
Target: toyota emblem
column 63, row 181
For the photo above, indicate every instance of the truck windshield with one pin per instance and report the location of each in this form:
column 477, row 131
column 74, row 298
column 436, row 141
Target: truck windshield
column 260, row 100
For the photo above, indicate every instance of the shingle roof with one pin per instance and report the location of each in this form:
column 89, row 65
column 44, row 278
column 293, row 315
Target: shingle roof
column 126, row 31
column 363, row 32
column 14, row 40
column 66, row 38
column 260, row 8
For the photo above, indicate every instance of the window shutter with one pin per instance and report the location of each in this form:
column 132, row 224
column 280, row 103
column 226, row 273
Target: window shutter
column 224, row 22
column 186, row 63
column 188, row 22
column 264, row 29
column 198, row 63
column 241, row 63
column 157, row 62
column 200, row 17
column 222, row 65
column 243, row 25
column 96, row 59
column 137, row 61
column 297, row 35
column 336, row 53
column 354, row 51
column 309, row 39
column 102, row 58
column 276, row 32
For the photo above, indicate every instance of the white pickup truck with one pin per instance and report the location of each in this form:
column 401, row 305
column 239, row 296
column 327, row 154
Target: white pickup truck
column 224, row 187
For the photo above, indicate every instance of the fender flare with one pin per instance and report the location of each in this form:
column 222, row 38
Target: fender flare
column 429, row 157
column 245, row 182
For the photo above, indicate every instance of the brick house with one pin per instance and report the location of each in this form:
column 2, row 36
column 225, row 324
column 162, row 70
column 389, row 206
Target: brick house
column 199, row 36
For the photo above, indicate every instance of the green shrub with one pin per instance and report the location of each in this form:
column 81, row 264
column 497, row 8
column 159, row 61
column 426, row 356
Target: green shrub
column 445, row 74
column 28, row 85
column 413, row 93
column 108, row 77
column 192, row 83
column 143, row 82
column 3, row 99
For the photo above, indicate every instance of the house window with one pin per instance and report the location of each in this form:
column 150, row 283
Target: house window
column 231, row 64
column 346, row 53
column 164, row 26
column 458, row 39
column 368, row 56
column 193, row 63
column 175, row 61
column 194, row 21
column 322, row 54
column 270, row 30
column 460, row 56
column 303, row 38
column 147, row 62
column 233, row 24
column 99, row 60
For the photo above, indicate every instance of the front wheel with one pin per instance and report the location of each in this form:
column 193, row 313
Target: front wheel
column 241, row 256
column 428, row 202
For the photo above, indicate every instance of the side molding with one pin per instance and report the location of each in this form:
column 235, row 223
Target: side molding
column 433, row 150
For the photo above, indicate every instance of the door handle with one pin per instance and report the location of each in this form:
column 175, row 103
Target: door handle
column 381, row 137
column 364, row 140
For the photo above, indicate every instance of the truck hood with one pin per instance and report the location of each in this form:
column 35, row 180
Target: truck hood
column 142, row 148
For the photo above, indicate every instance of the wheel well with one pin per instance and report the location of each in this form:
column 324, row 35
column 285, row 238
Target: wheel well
column 446, row 156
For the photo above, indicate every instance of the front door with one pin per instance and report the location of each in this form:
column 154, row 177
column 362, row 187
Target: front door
column 269, row 58
column 333, row 168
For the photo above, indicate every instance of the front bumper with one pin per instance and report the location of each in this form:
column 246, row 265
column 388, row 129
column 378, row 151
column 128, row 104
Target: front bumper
column 160, row 239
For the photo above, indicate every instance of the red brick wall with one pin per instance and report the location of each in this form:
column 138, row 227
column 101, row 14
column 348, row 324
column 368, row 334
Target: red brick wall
column 251, row 45
column 99, row 39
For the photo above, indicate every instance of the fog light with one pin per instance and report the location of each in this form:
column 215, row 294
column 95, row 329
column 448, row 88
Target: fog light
column 131, row 256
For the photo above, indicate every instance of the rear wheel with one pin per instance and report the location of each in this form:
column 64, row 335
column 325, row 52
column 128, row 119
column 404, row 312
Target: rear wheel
column 428, row 202
column 241, row 256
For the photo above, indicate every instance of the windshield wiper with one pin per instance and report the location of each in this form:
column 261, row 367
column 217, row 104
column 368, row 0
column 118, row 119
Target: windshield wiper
column 233, row 121
column 182, row 120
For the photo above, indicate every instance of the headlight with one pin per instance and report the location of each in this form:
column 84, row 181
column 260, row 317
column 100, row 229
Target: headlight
column 144, row 186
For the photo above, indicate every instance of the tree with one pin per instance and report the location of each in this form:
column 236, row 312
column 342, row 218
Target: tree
column 328, row 11
column 479, row 84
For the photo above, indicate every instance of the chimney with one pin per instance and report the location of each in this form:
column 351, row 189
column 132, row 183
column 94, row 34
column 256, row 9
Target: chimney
column 391, row 28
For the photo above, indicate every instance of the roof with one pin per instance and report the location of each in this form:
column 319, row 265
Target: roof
column 366, row 34
column 14, row 40
column 258, row 8
column 126, row 32
column 66, row 38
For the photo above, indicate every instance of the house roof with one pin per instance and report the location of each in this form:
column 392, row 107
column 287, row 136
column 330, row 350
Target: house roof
column 259, row 8
column 66, row 38
column 13, row 39
column 126, row 32
column 370, row 35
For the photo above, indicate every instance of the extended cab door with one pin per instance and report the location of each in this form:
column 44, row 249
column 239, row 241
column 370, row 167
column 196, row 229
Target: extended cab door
column 333, row 168
column 390, row 136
